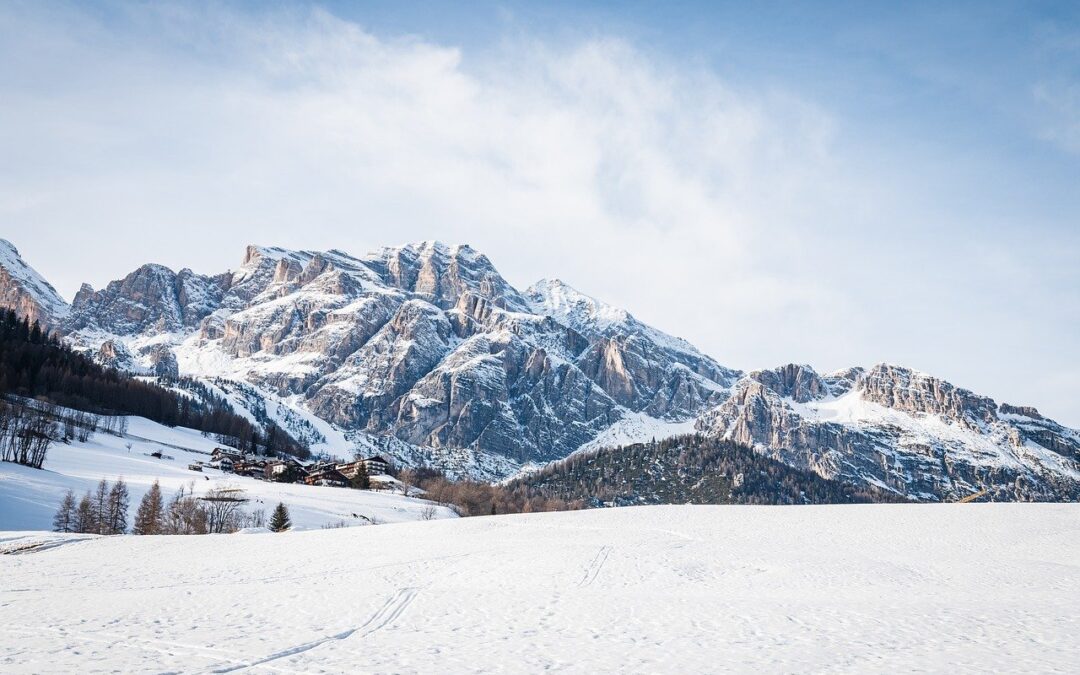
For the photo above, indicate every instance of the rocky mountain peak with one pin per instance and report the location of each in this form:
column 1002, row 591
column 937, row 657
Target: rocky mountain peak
column 27, row 292
column 151, row 299
column 916, row 392
column 442, row 273
column 800, row 383
column 584, row 313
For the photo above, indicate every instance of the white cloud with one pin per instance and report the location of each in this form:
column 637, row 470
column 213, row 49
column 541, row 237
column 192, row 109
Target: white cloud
column 724, row 214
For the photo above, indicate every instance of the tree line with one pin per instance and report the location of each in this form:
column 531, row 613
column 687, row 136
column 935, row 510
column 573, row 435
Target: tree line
column 474, row 498
column 105, row 511
column 690, row 469
column 101, row 511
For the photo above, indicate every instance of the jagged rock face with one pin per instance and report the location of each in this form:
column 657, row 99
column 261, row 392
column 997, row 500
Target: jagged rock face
column 638, row 366
column 425, row 353
column 441, row 274
column 907, row 390
column 24, row 290
column 425, row 343
column 906, row 431
column 151, row 300
column 799, row 383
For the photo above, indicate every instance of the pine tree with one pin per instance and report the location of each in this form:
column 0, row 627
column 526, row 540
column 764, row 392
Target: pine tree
column 117, row 508
column 279, row 522
column 150, row 516
column 64, row 520
column 85, row 521
column 361, row 481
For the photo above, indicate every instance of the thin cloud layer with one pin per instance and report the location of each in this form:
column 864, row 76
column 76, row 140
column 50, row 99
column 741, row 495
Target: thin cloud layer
column 735, row 217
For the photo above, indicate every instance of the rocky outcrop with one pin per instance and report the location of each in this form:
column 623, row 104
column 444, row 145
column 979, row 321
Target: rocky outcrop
column 425, row 343
column 26, row 292
column 151, row 300
column 899, row 429
column 914, row 392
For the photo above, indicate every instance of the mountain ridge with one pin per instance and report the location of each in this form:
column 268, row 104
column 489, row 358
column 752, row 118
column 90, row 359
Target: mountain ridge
column 425, row 352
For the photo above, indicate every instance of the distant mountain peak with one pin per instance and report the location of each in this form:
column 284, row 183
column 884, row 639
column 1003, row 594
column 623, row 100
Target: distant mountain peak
column 578, row 310
column 23, row 289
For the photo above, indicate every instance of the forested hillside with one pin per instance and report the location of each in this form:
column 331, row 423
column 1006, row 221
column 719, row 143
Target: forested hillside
column 35, row 364
column 689, row 469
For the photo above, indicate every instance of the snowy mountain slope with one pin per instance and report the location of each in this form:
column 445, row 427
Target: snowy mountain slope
column 29, row 497
column 902, row 430
column 422, row 349
column 26, row 291
column 671, row 589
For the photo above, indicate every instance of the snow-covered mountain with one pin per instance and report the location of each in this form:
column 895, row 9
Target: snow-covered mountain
column 901, row 430
column 423, row 351
column 26, row 291
column 426, row 353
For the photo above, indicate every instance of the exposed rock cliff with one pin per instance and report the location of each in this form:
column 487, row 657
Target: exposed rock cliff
column 25, row 291
column 900, row 429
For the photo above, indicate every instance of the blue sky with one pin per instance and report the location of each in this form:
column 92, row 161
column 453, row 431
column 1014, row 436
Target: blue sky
column 834, row 184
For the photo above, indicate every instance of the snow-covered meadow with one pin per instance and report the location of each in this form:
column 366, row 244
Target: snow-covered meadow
column 29, row 497
column 675, row 589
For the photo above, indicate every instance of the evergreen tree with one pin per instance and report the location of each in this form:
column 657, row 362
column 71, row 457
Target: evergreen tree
column 279, row 522
column 64, row 520
column 151, row 513
column 361, row 481
column 117, row 508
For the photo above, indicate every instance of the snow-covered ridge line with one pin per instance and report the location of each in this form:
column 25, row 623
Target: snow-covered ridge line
column 900, row 430
column 427, row 353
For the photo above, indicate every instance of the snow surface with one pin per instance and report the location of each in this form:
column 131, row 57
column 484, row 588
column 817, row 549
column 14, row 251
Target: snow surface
column 669, row 589
column 29, row 497
column 638, row 428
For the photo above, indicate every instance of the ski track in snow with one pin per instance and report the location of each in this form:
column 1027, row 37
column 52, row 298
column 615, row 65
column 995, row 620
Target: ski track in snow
column 595, row 565
column 672, row 589
column 389, row 612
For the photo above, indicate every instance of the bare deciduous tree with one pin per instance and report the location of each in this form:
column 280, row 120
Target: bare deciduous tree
column 222, row 505
column 65, row 518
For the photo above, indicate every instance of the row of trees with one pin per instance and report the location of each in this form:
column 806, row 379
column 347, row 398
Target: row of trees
column 29, row 428
column 105, row 510
column 694, row 469
column 473, row 498
column 25, row 434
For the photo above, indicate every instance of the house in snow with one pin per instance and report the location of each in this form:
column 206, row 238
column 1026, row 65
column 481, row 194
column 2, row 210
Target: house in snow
column 231, row 454
column 350, row 469
column 376, row 465
column 284, row 470
column 326, row 476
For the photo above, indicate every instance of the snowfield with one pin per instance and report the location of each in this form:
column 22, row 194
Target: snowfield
column 29, row 497
column 674, row 589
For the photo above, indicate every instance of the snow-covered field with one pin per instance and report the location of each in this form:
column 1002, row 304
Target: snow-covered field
column 29, row 497
column 676, row 589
